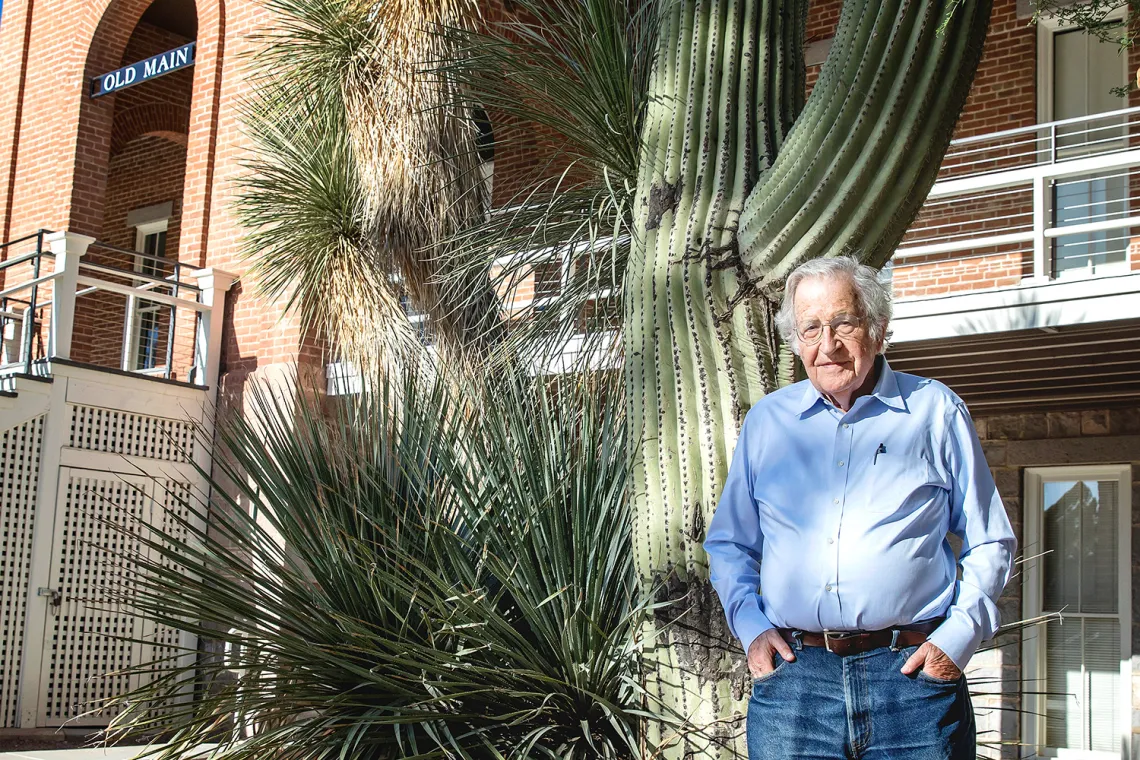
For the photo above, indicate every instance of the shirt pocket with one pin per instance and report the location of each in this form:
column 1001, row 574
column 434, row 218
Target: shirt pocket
column 896, row 480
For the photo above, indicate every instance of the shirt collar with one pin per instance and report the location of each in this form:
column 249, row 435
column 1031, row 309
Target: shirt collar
column 886, row 391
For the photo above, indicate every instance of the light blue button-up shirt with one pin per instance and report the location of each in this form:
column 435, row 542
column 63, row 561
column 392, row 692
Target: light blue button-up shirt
column 850, row 513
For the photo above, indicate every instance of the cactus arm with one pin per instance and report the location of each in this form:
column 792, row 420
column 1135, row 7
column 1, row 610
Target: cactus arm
column 857, row 164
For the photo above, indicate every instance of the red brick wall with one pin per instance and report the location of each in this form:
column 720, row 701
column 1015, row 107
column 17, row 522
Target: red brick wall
column 986, row 268
column 1004, row 94
column 823, row 17
column 62, row 158
column 257, row 333
column 147, row 165
column 149, row 170
column 1003, row 97
column 525, row 153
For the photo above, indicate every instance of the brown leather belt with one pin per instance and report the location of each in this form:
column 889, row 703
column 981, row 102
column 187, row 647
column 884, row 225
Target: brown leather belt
column 844, row 643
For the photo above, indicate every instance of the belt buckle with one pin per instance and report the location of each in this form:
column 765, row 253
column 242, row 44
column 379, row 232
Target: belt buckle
column 829, row 636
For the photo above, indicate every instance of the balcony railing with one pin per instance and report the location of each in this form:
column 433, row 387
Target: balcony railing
column 68, row 297
column 1038, row 203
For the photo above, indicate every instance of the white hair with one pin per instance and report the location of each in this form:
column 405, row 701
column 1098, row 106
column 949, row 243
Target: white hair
column 872, row 294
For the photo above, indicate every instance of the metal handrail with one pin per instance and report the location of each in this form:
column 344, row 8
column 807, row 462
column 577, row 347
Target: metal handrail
column 151, row 280
column 32, row 283
column 1042, row 144
column 168, row 292
column 19, row 260
column 1010, row 178
column 140, row 254
column 130, row 252
column 24, row 239
column 1009, row 145
column 1043, row 125
column 29, row 329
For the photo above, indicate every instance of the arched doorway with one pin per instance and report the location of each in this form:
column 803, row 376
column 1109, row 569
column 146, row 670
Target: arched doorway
column 142, row 203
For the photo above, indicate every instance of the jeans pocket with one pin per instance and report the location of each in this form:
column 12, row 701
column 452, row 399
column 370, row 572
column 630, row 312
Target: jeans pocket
column 779, row 665
column 924, row 676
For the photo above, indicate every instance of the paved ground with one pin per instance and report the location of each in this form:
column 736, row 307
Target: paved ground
column 110, row 753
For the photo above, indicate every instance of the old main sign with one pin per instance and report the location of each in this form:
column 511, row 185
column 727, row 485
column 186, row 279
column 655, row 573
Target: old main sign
column 136, row 73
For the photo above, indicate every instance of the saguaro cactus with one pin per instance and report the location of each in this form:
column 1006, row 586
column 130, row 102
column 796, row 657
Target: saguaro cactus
column 740, row 181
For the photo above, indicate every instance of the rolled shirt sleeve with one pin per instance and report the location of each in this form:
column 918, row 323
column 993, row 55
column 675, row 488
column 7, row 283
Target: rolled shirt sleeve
column 735, row 546
column 978, row 517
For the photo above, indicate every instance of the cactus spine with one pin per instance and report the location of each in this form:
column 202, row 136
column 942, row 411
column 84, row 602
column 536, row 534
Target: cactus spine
column 740, row 181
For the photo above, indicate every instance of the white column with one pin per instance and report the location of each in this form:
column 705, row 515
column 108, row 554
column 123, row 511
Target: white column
column 126, row 359
column 1042, row 206
column 214, row 284
column 68, row 248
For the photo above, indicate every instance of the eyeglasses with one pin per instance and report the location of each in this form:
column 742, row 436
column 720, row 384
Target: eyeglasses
column 843, row 326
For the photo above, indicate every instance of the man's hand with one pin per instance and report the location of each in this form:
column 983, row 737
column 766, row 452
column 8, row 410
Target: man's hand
column 932, row 661
column 762, row 652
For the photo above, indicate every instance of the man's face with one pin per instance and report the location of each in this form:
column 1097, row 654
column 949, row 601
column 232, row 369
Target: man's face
column 837, row 366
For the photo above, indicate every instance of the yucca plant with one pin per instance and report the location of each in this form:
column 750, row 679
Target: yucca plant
column 360, row 167
column 427, row 572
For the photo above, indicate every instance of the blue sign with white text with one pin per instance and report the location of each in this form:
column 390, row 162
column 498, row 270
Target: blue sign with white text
column 137, row 73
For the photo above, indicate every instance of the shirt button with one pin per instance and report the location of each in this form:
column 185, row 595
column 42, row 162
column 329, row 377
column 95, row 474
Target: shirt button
column 840, row 462
column 827, row 587
column 846, row 425
column 836, row 501
column 831, row 540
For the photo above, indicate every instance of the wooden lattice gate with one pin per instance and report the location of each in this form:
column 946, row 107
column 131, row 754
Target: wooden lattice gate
column 111, row 455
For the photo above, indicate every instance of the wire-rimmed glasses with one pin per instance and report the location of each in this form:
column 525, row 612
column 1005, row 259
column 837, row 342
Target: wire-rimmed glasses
column 842, row 325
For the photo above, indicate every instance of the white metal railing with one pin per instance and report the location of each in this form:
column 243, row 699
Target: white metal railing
column 1058, row 198
column 1052, row 142
column 38, row 329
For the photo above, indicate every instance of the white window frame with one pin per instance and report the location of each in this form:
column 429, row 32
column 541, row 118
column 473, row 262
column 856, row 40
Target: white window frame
column 1048, row 26
column 131, row 343
column 1032, row 650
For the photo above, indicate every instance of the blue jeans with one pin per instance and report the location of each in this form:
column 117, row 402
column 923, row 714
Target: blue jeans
column 859, row 707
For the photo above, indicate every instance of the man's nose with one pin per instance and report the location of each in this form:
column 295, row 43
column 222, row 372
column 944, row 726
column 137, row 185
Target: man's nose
column 828, row 343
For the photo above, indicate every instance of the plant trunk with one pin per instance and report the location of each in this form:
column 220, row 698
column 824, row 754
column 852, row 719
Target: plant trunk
column 740, row 182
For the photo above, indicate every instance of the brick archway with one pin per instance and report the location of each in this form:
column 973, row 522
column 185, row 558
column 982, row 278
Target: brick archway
column 95, row 140
column 151, row 118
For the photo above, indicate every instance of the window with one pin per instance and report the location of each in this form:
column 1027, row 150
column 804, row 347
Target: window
column 485, row 147
column 147, row 320
column 1077, row 673
column 1077, row 75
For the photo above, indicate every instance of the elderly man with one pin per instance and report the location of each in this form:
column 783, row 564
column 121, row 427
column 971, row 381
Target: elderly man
column 846, row 485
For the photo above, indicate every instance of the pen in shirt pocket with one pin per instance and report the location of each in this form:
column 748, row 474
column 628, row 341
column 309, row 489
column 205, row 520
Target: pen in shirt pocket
column 881, row 450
